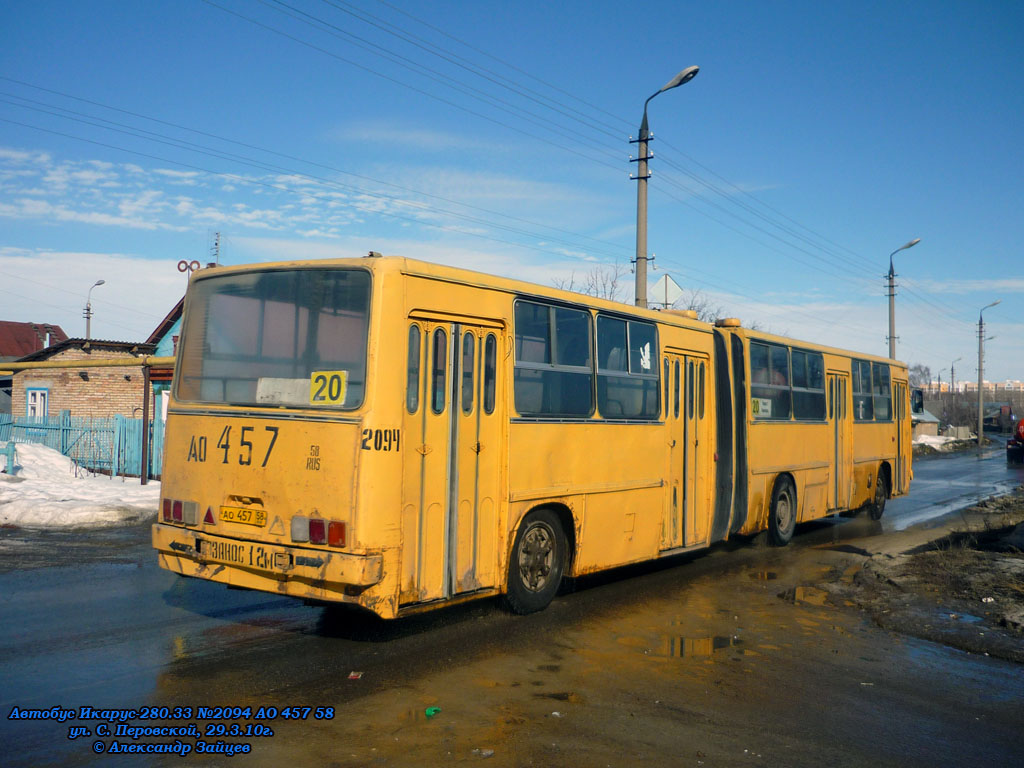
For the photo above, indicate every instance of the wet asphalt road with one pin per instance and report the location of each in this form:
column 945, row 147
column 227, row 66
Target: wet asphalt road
column 88, row 619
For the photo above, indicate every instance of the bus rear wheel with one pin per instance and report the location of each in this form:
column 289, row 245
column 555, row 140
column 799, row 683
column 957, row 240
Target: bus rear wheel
column 782, row 517
column 877, row 506
column 537, row 563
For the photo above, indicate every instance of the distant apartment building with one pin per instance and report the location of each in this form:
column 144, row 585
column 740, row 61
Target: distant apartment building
column 989, row 387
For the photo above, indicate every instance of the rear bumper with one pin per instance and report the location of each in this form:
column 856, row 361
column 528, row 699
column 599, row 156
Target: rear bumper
column 307, row 573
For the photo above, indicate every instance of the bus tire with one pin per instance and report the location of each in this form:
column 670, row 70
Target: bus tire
column 536, row 563
column 877, row 506
column 782, row 516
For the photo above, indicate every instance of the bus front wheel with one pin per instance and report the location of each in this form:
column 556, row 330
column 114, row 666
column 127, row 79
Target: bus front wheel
column 782, row 518
column 877, row 506
column 537, row 562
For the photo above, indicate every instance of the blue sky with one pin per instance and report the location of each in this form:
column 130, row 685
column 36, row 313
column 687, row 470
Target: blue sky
column 817, row 138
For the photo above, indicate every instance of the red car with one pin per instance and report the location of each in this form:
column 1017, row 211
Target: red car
column 1015, row 445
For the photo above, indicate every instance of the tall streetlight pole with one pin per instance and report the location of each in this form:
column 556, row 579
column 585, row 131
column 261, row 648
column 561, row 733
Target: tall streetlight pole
column 642, row 175
column 892, row 297
column 952, row 374
column 88, row 309
column 981, row 368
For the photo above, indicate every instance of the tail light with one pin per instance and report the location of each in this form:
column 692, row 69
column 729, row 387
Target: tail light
column 180, row 512
column 335, row 534
column 316, row 530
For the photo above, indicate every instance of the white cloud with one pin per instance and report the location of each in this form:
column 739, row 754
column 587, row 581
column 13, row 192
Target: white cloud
column 995, row 285
column 51, row 286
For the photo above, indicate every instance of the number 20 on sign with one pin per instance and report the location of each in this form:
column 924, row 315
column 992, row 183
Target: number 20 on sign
column 328, row 387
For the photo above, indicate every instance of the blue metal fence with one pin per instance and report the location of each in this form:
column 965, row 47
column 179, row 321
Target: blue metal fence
column 112, row 445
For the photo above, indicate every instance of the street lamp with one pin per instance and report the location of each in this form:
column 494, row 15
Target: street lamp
column 641, row 186
column 952, row 374
column 981, row 368
column 892, row 295
column 88, row 310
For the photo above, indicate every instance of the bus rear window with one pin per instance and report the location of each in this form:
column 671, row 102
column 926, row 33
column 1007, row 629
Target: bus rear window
column 277, row 338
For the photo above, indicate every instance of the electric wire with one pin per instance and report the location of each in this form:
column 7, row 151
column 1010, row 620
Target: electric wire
column 313, row 163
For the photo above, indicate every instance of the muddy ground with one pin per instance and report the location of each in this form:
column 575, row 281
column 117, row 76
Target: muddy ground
column 851, row 649
column 964, row 589
column 857, row 645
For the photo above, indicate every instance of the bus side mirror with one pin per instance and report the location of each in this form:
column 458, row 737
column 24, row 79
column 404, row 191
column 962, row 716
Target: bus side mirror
column 917, row 401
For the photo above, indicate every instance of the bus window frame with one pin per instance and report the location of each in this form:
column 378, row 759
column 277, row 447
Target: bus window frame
column 438, row 375
column 628, row 373
column 183, row 347
column 413, row 367
column 552, row 355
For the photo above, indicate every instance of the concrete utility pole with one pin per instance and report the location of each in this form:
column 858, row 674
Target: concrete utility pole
column 892, row 297
column 640, row 291
column 981, row 369
column 952, row 374
column 88, row 310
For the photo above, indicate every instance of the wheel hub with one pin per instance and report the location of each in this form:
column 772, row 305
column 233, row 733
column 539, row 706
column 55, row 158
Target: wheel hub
column 535, row 557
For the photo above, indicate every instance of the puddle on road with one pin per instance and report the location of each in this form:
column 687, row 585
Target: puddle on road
column 694, row 647
column 681, row 647
column 572, row 698
column 809, row 595
column 966, row 618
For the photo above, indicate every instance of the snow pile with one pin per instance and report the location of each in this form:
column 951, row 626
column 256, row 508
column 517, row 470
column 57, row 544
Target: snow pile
column 47, row 490
column 939, row 443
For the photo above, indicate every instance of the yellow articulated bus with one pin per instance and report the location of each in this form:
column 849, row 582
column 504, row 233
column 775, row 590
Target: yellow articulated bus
column 400, row 435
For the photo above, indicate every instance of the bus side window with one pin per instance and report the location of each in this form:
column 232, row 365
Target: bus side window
column 700, row 392
column 666, row 377
column 689, row 388
column 468, row 371
column 679, row 382
column 490, row 371
column 439, row 371
column 412, row 383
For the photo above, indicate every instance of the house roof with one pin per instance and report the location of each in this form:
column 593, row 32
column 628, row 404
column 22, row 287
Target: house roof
column 20, row 339
column 92, row 344
column 167, row 323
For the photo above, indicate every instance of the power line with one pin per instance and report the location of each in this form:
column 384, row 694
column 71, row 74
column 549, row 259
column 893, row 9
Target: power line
column 403, row 84
column 313, row 163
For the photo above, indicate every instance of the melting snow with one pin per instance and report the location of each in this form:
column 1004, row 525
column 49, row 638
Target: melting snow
column 47, row 490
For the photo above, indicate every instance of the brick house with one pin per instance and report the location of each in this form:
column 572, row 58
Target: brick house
column 93, row 392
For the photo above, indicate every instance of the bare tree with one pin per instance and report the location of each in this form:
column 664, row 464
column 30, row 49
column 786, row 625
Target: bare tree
column 698, row 301
column 603, row 281
column 920, row 375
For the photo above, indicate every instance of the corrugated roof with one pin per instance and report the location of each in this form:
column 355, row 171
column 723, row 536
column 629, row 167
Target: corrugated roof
column 96, row 344
column 20, row 339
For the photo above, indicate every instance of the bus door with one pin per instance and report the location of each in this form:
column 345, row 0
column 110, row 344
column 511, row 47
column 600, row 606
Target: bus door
column 839, row 414
column 685, row 419
column 673, row 522
column 452, row 467
column 900, row 481
column 698, row 465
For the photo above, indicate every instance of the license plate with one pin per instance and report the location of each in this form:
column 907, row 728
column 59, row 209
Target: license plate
column 242, row 515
